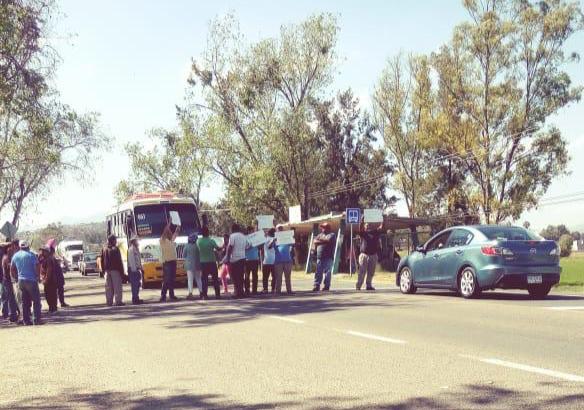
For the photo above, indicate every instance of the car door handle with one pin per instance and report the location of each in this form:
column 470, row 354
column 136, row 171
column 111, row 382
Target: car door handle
column 459, row 252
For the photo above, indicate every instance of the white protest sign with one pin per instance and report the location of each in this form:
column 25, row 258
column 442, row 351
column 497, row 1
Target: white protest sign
column 257, row 238
column 175, row 218
column 285, row 238
column 373, row 215
column 265, row 221
column 295, row 214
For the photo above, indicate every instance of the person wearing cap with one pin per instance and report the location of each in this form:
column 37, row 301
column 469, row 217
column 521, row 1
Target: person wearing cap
column 325, row 243
column 193, row 266
column 134, row 270
column 283, row 265
column 114, row 268
column 9, row 306
column 48, row 279
column 25, row 266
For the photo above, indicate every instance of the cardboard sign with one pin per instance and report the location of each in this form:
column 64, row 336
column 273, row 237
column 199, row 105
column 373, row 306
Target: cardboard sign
column 257, row 238
column 265, row 221
column 373, row 215
column 175, row 218
column 295, row 214
column 285, row 238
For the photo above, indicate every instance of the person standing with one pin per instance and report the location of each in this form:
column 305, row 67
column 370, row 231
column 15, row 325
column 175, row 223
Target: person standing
column 168, row 258
column 135, row 270
column 47, row 275
column 25, row 266
column 9, row 305
column 224, row 265
column 207, row 247
column 113, row 266
column 252, row 264
column 59, row 276
column 193, row 265
column 236, row 257
column 283, row 265
column 269, row 261
column 325, row 243
column 368, row 255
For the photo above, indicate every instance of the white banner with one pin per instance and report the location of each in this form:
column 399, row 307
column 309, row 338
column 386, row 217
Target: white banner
column 175, row 218
column 265, row 221
column 257, row 238
column 285, row 238
column 373, row 215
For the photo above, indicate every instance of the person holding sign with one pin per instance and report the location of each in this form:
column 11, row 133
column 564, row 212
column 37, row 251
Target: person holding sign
column 252, row 263
column 325, row 243
column 368, row 256
column 283, row 264
column 168, row 258
column 236, row 258
column 269, row 260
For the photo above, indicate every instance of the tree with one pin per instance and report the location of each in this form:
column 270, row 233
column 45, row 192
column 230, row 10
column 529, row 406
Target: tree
column 173, row 163
column 576, row 235
column 502, row 72
column 258, row 97
column 41, row 139
column 346, row 138
column 566, row 241
column 553, row 233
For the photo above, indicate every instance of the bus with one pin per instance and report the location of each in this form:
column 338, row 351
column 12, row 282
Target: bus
column 145, row 215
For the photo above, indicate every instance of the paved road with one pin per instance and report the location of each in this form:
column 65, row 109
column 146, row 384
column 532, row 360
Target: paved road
column 343, row 349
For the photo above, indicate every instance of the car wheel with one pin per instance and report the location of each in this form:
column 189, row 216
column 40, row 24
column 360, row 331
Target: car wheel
column 539, row 291
column 468, row 286
column 406, row 281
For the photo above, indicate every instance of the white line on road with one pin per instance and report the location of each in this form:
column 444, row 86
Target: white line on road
column 286, row 319
column 375, row 337
column 565, row 308
column 530, row 369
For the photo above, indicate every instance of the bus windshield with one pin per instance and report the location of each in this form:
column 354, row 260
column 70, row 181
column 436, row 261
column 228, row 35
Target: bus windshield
column 151, row 219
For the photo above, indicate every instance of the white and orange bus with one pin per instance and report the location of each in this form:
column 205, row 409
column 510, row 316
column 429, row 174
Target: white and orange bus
column 145, row 215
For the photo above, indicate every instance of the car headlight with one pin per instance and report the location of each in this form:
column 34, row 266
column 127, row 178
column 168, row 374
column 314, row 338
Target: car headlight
column 148, row 257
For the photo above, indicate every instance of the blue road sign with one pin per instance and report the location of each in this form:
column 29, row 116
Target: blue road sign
column 353, row 215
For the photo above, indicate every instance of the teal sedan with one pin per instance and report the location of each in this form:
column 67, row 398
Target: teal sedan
column 470, row 259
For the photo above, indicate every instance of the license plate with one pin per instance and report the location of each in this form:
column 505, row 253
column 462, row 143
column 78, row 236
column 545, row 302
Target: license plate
column 534, row 279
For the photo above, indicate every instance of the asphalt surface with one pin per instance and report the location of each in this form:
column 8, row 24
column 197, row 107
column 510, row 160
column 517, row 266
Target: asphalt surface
column 342, row 349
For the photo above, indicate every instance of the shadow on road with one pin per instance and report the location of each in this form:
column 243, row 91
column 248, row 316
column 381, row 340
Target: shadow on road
column 464, row 397
column 502, row 295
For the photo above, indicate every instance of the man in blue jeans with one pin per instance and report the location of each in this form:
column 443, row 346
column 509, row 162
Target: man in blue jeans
column 25, row 266
column 325, row 243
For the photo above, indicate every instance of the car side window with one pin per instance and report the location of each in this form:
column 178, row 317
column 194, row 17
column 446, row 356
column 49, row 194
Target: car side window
column 439, row 242
column 460, row 237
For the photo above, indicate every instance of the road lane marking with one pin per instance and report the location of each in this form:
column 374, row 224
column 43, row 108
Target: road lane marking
column 287, row 319
column 375, row 337
column 564, row 308
column 530, row 369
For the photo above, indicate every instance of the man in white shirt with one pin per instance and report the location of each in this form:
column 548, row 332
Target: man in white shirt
column 238, row 243
column 134, row 270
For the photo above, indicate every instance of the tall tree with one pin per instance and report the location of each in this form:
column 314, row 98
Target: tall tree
column 502, row 72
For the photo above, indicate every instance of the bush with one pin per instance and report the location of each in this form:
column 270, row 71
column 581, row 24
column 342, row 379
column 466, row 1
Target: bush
column 565, row 243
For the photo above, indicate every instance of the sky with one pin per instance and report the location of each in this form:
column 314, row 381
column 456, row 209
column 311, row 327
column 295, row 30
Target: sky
column 129, row 60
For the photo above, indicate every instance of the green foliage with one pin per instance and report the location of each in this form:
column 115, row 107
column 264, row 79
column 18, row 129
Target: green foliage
column 553, row 232
column 92, row 234
column 565, row 243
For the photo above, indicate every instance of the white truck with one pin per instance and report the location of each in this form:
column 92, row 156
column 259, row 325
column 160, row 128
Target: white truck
column 70, row 252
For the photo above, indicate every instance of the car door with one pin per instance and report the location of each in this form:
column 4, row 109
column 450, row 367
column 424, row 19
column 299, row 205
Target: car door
column 427, row 268
column 453, row 255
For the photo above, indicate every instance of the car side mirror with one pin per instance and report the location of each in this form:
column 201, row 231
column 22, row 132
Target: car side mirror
column 421, row 249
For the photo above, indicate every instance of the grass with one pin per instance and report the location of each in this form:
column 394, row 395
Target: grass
column 573, row 271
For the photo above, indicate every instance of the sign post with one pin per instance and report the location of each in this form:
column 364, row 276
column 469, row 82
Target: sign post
column 353, row 216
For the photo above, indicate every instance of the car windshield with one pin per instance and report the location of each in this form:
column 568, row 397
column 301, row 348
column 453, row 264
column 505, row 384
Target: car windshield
column 90, row 257
column 510, row 233
column 151, row 219
column 74, row 248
